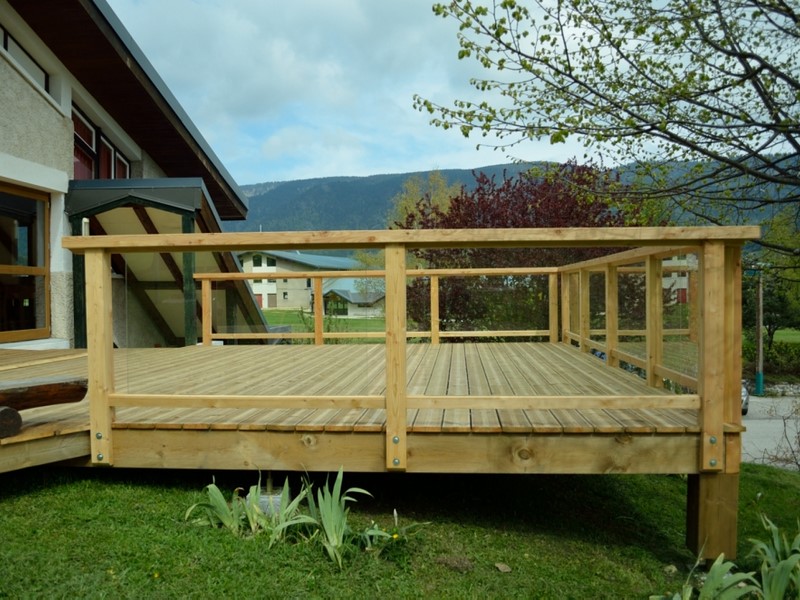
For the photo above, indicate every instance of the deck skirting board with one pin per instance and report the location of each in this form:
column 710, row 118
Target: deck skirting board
column 427, row 453
column 44, row 451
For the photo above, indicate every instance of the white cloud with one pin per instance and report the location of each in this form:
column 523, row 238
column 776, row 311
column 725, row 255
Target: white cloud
column 285, row 90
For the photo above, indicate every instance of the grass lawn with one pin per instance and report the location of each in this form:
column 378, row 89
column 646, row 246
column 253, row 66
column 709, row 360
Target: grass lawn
column 791, row 336
column 112, row 533
column 292, row 317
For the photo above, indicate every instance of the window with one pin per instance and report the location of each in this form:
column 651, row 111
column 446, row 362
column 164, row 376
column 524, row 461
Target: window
column 256, row 260
column 308, row 283
column 285, row 295
column 257, row 280
column 94, row 156
column 24, row 275
column 271, row 262
column 24, row 60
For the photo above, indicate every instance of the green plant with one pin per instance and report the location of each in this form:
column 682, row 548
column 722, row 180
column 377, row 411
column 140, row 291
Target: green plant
column 719, row 583
column 245, row 515
column 331, row 511
column 392, row 541
column 780, row 561
column 288, row 515
column 218, row 512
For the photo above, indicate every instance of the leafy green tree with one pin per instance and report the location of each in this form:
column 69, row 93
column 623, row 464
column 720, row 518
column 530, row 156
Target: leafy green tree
column 781, row 309
column 435, row 191
column 709, row 86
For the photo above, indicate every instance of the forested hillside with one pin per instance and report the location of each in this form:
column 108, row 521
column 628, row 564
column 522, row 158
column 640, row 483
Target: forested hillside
column 339, row 202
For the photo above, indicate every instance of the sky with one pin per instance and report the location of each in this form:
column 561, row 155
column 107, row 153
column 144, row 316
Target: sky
column 296, row 89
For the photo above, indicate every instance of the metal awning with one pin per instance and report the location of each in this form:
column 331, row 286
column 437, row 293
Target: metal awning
column 93, row 196
column 163, row 283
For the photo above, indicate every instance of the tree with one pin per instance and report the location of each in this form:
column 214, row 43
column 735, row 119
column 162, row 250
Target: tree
column 710, row 86
column 555, row 198
column 781, row 309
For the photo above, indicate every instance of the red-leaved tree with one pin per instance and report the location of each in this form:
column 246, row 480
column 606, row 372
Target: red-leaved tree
column 563, row 196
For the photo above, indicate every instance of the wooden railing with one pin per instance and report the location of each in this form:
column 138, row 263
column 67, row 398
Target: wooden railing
column 718, row 330
column 435, row 334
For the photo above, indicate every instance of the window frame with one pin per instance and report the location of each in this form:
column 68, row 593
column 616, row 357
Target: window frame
column 37, row 333
column 97, row 148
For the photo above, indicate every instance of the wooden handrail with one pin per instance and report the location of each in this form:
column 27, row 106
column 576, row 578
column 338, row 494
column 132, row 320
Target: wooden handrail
column 578, row 237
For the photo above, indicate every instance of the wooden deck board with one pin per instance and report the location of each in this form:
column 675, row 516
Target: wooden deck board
column 351, row 370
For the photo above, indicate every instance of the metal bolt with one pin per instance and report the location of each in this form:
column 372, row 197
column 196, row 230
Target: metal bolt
column 98, row 435
column 396, row 462
column 713, row 462
column 396, row 440
column 713, row 439
column 100, row 456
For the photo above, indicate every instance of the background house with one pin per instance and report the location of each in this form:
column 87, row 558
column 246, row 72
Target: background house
column 91, row 139
column 348, row 297
column 274, row 291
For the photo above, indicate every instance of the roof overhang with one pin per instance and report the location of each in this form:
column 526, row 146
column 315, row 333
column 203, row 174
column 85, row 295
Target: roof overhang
column 182, row 195
column 91, row 42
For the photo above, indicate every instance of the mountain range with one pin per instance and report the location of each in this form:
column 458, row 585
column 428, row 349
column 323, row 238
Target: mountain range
column 336, row 203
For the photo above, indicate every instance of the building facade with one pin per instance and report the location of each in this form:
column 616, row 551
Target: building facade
column 80, row 103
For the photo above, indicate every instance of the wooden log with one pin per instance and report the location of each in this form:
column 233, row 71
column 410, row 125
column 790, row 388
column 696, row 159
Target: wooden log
column 10, row 422
column 42, row 391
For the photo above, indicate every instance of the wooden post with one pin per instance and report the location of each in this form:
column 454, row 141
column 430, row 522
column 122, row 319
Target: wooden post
column 565, row 307
column 612, row 316
column 713, row 496
column 319, row 312
column 189, row 289
column 100, row 348
column 552, row 311
column 693, row 300
column 711, row 379
column 205, row 292
column 434, row 309
column 396, row 397
column 655, row 319
column 583, row 311
column 733, row 337
column 712, row 506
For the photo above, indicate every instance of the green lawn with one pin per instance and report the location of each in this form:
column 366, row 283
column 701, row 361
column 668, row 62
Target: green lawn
column 293, row 318
column 791, row 336
column 96, row 533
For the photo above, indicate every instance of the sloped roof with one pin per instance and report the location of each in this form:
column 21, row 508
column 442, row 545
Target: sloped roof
column 316, row 261
column 368, row 298
column 348, row 289
column 89, row 39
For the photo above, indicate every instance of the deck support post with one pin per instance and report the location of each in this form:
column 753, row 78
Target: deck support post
column 612, row 316
column 712, row 505
column 654, row 318
column 396, row 393
column 100, row 348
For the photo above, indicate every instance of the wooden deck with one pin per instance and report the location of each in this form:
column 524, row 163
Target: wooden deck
column 304, row 375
